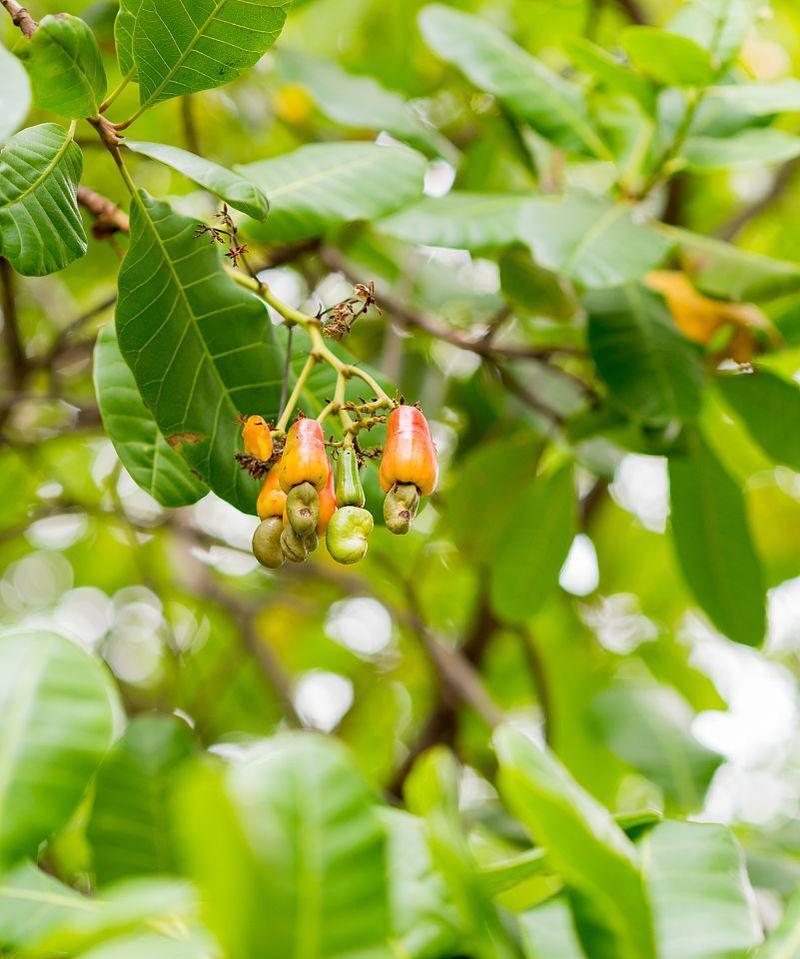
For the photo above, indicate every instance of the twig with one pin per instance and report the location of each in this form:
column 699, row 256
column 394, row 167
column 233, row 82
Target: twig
column 65, row 334
column 780, row 183
column 190, row 132
column 18, row 363
column 20, row 17
column 108, row 218
column 633, row 10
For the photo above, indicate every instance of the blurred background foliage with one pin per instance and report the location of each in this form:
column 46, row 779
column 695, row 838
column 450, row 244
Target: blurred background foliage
column 648, row 706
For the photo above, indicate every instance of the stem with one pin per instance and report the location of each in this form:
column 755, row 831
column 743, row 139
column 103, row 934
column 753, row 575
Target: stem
column 338, row 401
column 661, row 173
column 295, row 395
column 287, row 365
column 20, row 17
column 116, row 92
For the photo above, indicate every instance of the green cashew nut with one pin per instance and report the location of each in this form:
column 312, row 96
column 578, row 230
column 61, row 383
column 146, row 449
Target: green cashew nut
column 400, row 507
column 302, row 509
column 267, row 543
column 347, row 534
column 349, row 491
column 294, row 548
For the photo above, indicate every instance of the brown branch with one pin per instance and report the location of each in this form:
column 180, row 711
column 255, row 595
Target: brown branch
column 20, row 17
column 17, row 361
column 190, row 132
column 108, row 218
column 780, row 184
column 633, row 10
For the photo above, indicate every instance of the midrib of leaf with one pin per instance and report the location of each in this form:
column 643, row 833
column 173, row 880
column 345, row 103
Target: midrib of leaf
column 82, row 78
column 182, row 58
column 634, row 296
column 592, row 234
column 322, row 175
column 47, row 171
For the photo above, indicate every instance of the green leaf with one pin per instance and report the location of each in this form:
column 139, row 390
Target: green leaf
column 468, row 221
column 593, row 242
column 653, row 372
column 714, row 545
column 749, row 148
column 554, row 108
column 199, row 346
column 614, row 75
column 129, row 829
column 193, row 945
column 668, row 58
column 65, row 66
column 766, row 403
column 181, row 48
column 548, row 932
column 293, row 857
column 130, row 426
column 723, row 270
column 650, row 727
column 761, row 99
column 784, row 942
column 719, row 26
column 532, row 290
column 533, row 546
column 233, row 189
column 703, row 903
column 40, row 227
column 323, row 185
column 124, row 27
column 583, row 843
column 361, row 103
column 55, row 701
column 15, row 94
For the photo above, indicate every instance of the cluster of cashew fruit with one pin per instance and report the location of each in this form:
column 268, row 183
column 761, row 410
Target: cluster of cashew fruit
column 301, row 501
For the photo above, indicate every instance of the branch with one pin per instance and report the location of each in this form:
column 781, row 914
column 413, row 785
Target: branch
column 780, row 183
column 633, row 10
column 18, row 362
column 108, row 218
column 20, row 17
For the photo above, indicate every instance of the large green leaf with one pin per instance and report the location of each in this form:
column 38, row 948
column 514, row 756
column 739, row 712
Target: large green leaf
column 15, row 94
column 130, row 426
column 669, row 58
column 553, row 107
column 594, row 242
column 784, row 942
column 703, row 904
column 470, row 221
column 199, row 346
column 56, row 705
column 534, row 545
column 650, row 727
column 611, row 72
column 548, row 932
column 235, row 190
column 767, row 404
column 182, row 48
column 725, row 271
column 326, row 184
column 124, row 27
column 292, row 861
column 720, row 26
column 761, row 99
column 652, row 371
column 749, row 148
column 128, row 829
column 65, row 65
column 584, row 844
column 40, row 227
column 361, row 102
column 714, row 545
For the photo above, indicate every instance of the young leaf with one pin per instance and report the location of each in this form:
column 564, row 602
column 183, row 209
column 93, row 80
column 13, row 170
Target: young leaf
column 652, row 372
column 361, row 102
column 292, row 844
column 533, row 546
column 703, row 903
column 55, row 701
column 668, row 58
column 554, row 108
column 714, row 545
column 182, row 48
column 41, row 230
column 760, row 99
column 128, row 830
column 613, row 74
column 199, row 346
column 326, row 184
column 767, row 404
column 130, row 426
column 65, row 66
column 124, row 27
column 583, row 843
column 719, row 26
column 233, row 189
column 15, row 94
column 749, row 148
column 593, row 242
column 468, row 221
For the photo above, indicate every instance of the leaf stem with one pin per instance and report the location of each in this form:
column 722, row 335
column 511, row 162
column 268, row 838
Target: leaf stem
column 116, row 92
column 295, row 394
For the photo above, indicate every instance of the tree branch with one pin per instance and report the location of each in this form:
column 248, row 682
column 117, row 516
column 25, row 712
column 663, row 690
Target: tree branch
column 633, row 10
column 20, row 17
column 18, row 362
column 108, row 218
column 781, row 182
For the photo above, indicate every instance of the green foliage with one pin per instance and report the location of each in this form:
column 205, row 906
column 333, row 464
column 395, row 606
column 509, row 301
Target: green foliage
column 15, row 94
